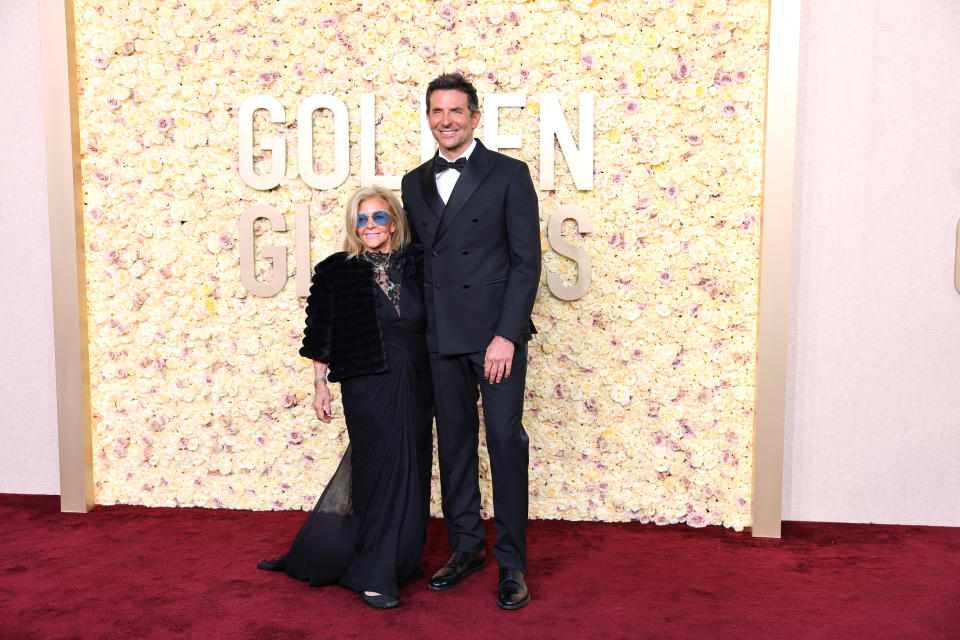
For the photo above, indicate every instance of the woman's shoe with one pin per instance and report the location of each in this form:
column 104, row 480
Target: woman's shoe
column 274, row 564
column 381, row 601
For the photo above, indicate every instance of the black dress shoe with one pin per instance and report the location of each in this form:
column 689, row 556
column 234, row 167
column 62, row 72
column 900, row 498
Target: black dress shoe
column 460, row 565
column 382, row 601
column 512, row 593
column 274, row 564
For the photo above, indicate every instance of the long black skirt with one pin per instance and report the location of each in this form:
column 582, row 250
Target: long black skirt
column 368, row 529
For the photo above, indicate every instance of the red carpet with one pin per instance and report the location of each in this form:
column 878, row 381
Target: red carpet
column 134, row 572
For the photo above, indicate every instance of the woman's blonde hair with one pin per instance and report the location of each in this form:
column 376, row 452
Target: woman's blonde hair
column 401, row 236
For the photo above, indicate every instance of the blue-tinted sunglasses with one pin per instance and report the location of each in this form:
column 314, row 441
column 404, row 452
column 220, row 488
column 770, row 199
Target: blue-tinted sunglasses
column 380, row 218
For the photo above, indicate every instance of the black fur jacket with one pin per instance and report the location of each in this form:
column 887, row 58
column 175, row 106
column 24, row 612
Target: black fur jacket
column 343, row 329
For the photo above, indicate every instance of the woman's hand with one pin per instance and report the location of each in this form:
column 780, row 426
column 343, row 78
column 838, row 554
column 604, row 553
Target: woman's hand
column 321, row 401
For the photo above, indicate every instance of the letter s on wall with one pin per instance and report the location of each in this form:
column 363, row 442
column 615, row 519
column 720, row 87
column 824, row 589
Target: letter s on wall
column 564, row 248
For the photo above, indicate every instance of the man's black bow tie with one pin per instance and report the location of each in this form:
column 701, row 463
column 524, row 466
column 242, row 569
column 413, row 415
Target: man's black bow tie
column 441, row 164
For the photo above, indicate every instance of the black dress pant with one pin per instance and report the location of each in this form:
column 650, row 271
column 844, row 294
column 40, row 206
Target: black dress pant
column 455, row 380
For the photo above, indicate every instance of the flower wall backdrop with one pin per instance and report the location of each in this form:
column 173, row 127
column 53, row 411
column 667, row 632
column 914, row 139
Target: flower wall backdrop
column 640, row 394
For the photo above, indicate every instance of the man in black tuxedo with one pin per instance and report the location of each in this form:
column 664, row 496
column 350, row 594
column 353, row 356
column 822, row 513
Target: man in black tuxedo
column 476, row 213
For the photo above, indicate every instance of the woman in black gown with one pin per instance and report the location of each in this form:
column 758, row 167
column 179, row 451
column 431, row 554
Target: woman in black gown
column 365, row 329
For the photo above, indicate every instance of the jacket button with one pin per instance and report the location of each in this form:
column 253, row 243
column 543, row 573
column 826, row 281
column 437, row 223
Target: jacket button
column 435, row 254
column 465, row 252
column 424, row 223
column 476, row 220
column 436, row 286
column 466, row 286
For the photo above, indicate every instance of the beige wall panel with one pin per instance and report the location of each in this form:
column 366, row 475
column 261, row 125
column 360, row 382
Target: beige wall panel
column 872, row 432
column 28, row 421
column 874, row 374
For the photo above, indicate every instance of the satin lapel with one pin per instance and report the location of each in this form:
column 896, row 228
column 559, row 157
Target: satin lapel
column 428, row 187
column 477, row 168
column 428, row 190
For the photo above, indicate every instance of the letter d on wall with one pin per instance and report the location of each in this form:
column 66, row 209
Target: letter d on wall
column 564, row 248
column 276, row 255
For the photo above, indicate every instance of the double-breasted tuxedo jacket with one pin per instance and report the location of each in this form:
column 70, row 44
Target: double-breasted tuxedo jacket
column 481, row 272
column 481, row 251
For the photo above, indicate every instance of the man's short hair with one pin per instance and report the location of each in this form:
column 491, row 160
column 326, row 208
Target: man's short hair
column 455, row 82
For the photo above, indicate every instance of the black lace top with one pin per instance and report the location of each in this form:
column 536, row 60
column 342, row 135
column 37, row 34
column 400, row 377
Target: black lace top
column 386, row 271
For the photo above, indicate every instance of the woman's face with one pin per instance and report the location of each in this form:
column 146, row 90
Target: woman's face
column 373, row 236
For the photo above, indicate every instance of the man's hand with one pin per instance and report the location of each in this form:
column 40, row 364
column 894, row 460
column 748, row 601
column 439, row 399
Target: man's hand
column 498, row 360
column 321, row 401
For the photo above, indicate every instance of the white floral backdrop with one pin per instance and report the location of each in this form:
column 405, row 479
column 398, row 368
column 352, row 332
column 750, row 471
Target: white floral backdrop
column 640, row 394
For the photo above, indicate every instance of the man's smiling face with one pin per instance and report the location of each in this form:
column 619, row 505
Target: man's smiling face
column 451, row 122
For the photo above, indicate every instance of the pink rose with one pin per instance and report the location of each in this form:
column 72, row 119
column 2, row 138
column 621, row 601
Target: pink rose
column 95, row 214
column 447, row 12
column 683, row 69
column 128, row 48
column 164, row 123
column 632, row 107
column 671, row 192
column 294, row 437
column 426, row 50
column 643, row 203
column 112, row 103
column 740, row 76
column 729, row 110
column 261, row 440
column 327, row 22
column 622, row 87
column 697, row 520
column 100, row 177
column 265, row 77
column 513, row 17
column 287, row 400
column 225, row 241
column 588, row 60
column 100, row 62
column 694, row 138
column 490, row 76
column 660, row 520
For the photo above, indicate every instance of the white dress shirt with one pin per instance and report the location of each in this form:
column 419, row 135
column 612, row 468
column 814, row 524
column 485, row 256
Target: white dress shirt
column 447, row 180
